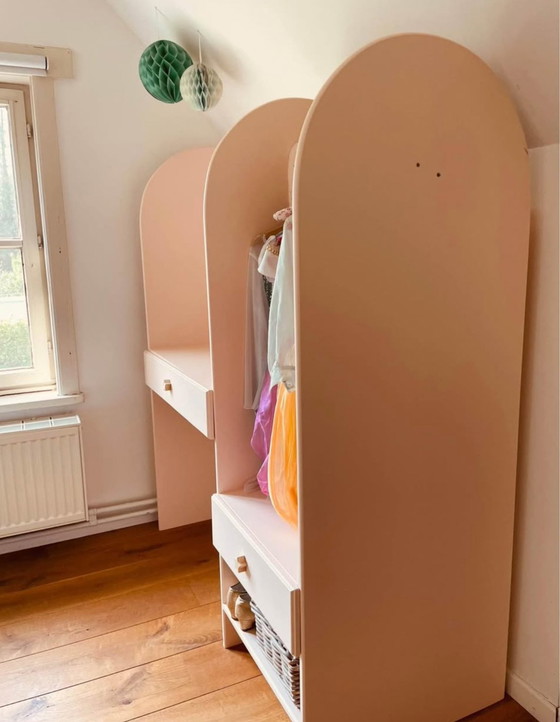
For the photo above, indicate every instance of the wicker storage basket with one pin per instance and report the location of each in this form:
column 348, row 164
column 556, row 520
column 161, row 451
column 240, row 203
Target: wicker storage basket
column 285, row 664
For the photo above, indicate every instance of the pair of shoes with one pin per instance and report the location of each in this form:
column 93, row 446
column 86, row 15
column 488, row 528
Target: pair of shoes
column 239, row 605
column 232, row 597
column 243, row 611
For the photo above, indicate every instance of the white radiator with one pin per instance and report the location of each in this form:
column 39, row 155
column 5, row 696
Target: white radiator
column 41, row 475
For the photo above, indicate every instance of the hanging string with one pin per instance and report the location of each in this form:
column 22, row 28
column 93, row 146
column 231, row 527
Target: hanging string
column 199, row 47
column 158, row 28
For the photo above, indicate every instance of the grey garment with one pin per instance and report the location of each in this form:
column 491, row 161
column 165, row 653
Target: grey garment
column 256, row 331
column 268, row 286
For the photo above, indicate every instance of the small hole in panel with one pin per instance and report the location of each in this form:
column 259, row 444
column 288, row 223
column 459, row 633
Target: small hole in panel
column 418, row 165
column 438, row 175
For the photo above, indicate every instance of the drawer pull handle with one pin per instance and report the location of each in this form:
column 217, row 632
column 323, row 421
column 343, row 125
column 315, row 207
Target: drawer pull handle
column 167, row 385
column 241, row 564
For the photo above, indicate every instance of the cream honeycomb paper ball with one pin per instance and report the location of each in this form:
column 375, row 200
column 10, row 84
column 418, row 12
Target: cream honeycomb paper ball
column 201, row 86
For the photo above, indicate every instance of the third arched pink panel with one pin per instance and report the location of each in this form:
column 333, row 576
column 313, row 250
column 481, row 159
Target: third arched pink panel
column 412, row 218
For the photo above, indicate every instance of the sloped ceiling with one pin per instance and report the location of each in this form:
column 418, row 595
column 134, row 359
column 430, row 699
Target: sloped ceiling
column 266, row 49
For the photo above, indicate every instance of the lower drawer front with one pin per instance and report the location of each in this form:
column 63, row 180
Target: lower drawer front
column 275, row 597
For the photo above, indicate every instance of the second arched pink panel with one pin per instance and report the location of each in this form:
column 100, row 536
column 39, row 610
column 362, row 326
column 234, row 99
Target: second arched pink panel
column 247, row 182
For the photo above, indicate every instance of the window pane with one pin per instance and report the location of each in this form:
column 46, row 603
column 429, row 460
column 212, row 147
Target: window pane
column 15, row 340
column 9, row 216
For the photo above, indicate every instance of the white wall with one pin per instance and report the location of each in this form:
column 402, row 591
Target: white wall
column 281, row 48
column 113, row 135
column 534, row 643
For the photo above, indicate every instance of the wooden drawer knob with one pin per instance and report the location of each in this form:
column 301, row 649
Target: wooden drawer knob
column 167, row 385
column 241, row 564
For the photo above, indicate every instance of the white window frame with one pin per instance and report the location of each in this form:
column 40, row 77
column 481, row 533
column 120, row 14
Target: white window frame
column 54, row 229
column 52, row 216
column 40, row 376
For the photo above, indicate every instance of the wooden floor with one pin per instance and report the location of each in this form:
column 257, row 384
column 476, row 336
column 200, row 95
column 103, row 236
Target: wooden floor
column 126, row 626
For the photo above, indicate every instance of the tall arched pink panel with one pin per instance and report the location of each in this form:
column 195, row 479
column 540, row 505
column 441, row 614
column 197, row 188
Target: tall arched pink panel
column 177, row 363
column 247, row 182
column 172, row 227
column 412, row 218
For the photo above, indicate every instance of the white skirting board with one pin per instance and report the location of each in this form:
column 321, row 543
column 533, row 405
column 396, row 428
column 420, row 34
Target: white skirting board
column 528, row 697
column 101, row 519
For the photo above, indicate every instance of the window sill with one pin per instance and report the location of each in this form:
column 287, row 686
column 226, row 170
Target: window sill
column 37, row 401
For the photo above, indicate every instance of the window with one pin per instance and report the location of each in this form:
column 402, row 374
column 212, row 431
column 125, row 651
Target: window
column 26, row 348
column 38, row 360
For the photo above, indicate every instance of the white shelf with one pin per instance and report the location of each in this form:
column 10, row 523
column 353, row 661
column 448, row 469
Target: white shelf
column 249, row 639
column 276, row 540
column 194, row 363
column 182, row 377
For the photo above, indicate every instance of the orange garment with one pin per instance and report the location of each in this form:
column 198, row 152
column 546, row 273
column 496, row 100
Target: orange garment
column 282, row 461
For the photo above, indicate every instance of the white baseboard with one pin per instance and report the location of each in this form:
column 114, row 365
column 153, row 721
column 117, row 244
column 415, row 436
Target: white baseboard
column 104, row 518
column 528, row 697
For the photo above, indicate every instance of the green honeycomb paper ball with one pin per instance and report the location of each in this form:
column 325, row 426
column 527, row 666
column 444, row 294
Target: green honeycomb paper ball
column 201, row 87
column 161, row 67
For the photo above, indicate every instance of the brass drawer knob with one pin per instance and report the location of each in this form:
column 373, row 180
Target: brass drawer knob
column 167, row 385
column 241, row 564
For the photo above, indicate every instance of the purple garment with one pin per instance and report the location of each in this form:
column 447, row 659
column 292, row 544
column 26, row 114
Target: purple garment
column 262, row 432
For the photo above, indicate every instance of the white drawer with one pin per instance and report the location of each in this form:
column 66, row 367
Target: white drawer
column 186, row 395
column 272, row 590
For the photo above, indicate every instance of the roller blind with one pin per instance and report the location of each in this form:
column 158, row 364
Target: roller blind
column 24, row 64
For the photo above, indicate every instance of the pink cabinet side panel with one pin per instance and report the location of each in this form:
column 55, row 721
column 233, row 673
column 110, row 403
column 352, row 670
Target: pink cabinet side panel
column 184, row 460
column 412, row 217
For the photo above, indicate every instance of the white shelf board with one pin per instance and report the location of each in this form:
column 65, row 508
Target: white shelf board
column 194, row 363
column 277, row 540
column 182, row 377
column 249, row 639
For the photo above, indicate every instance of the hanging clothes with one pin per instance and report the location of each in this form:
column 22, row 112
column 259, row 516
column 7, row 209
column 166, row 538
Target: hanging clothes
column 282, row 461
column 261, row 271
column 281, row 328
column 274, row 436
column 256, row 331
column 262, row 431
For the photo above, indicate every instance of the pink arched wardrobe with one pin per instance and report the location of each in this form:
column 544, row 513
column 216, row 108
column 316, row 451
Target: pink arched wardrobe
column 411, row 223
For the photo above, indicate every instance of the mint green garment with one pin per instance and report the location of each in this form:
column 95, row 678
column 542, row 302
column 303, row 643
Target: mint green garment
column 281, row 328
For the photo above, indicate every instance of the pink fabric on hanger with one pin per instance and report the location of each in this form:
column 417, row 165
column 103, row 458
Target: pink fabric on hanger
column 262, row 431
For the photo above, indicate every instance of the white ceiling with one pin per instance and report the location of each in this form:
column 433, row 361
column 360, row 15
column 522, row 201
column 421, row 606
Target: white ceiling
column 266, row 49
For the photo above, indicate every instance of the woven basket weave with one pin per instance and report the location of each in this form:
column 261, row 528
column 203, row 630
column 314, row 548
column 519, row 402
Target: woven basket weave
column 285, row 664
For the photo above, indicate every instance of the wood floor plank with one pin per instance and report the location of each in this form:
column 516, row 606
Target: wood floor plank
column 81, row 662
column 138, row 691
column 65, row 625
column 99, row 585
column 63, row 596
column 65, row 560
column 250, row 701
column 505, row 711
column 206, row 586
